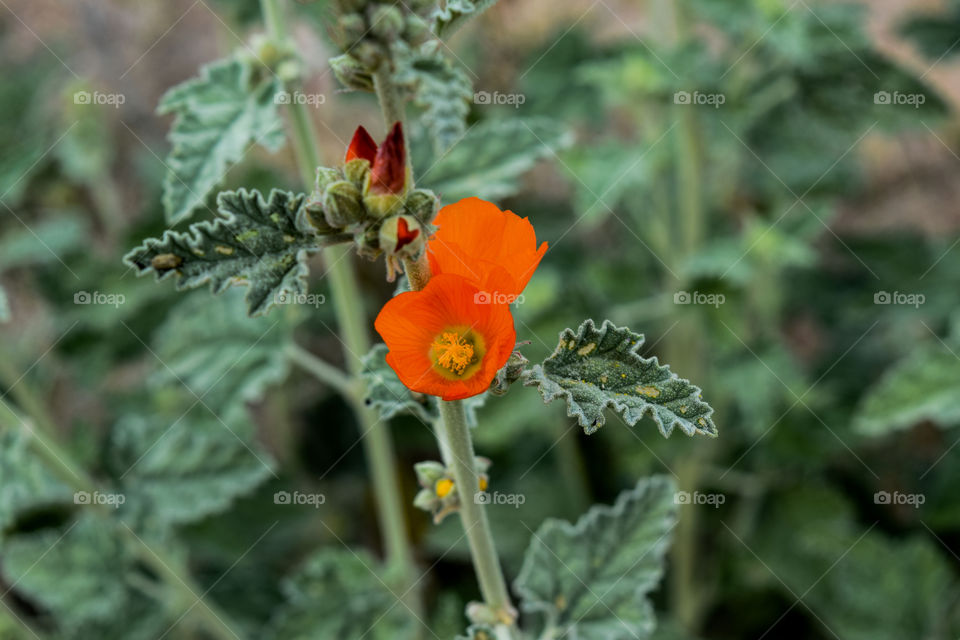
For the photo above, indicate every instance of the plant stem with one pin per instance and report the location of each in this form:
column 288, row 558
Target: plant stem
column 391, row 102
column 323, row 371
column 352, row 322
column 493, row 587
column 45, row 446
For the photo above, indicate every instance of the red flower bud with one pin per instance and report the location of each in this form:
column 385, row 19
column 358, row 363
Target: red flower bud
column 389, row 171
column 361, row 146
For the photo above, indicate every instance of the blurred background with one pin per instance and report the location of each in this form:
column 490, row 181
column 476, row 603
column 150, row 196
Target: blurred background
column 766, row 189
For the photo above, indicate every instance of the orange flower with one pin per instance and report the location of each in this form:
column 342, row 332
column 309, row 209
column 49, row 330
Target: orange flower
column 495, row 249
column 443, row 341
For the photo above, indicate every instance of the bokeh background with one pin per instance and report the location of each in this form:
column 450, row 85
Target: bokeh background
column 766, row 189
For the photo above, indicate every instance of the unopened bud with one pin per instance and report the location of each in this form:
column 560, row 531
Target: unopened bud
column 422, row 204
column 387, row 22
column 343, row 204
column 352, row 73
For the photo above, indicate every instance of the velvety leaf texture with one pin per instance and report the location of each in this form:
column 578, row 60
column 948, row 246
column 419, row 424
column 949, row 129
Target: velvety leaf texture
column 921, row 387
column 454, row 13
column 219, row 115
column 69, row 571
column 442, row 91
column 255, row 242
column 490, row 159
column 26, row 485
column 339, row 594
column 178, row 472
column 387, row 395
column 595, row 368
column 223, row 356
column 591, row 579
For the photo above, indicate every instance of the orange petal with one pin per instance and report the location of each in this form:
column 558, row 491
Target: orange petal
column 475, row 238
column 411, row 322
column 361, row 146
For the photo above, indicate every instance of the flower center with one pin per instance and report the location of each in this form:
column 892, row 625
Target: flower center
column 452, row 352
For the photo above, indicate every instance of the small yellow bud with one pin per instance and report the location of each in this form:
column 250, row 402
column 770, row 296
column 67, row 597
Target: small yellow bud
column 483, row 483
column 443, row 487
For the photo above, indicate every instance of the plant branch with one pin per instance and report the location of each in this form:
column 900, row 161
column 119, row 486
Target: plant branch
column 493, row 586
column 323, row 371
column 352, row 321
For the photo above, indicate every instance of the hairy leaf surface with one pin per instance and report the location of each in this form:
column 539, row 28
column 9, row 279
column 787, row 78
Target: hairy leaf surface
column 490, row 159
column 592, row 579
column 219, row 115
column 595, row 368
column 179, row 471
column 921, row 387
column 255, row 242
column 339, row 594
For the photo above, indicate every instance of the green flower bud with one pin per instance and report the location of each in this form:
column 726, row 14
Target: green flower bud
column 325, row 177
column 416, row 30
column 426, row 500
column 370, row 54
column 289, row 71
column 352, row 26
column 352, row 73
column 387, row 22
column 356, row 171
column 479, row 613
column 343, row 204
column 422, row 204
column 428, row 472
column 509, row 374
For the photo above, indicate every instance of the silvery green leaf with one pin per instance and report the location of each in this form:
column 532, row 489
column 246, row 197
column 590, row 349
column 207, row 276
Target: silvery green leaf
column 255, row 241
column 441, row 90
column 26, row 485
column 219, row 115
column 4, row 306
column 453, row 14
column 921, row 387
column 591, row 579
column 223, row 356
column 181, row 469
column 492, row 156
column 387, row 395
column 339, row 594
column 595, row 368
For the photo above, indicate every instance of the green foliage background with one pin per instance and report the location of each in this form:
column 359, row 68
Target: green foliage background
column 809, row 219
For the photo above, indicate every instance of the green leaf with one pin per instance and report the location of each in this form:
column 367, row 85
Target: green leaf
column 490, row 159
column 180, row 470
column 339, row 594
column 388, row 396
column 223, row 356
column 4, row 306
column 255, row 242
column 453, row 14
column 593, row 369
column 26, row 485
column 77, row 573
column 591, row 579
column 442, row 91
column 45, row 241
column 219, row 115
column 921, row 387
column 858, row 583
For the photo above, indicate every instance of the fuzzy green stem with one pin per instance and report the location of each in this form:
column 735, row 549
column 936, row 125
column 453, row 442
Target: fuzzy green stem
column 493, row 586
column 323, row 371
column 352, row 322
column 391, row 102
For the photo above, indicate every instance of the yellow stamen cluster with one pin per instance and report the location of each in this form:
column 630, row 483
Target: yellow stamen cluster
column 453, row 352
column 444, row 487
